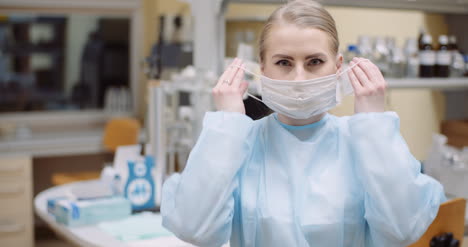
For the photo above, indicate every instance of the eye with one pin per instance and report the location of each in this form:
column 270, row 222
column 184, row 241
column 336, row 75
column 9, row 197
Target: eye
column 316, row 61
column 283, row 63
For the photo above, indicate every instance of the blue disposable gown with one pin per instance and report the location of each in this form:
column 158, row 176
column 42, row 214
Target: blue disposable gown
column 342, row 181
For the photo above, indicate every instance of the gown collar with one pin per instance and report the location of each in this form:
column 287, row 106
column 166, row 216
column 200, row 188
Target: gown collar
column 293, row 127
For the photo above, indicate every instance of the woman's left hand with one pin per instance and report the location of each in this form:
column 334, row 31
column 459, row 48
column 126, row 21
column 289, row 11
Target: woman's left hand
column 369, row 86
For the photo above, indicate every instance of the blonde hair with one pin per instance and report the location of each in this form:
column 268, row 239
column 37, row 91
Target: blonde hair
column 304, row 14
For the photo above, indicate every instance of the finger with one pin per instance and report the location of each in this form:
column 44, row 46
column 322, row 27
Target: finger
column 243, row 86
column 370, row 70
column 376, row 76
column 227, row 72
column 377, row 73
column 361, row 76
column 230, row 75
column 354, row 81
column 238, row 77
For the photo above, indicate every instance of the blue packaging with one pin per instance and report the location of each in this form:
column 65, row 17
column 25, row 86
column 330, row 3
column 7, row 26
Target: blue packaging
column 140, row 187
column 89, row 212
column 52, row 203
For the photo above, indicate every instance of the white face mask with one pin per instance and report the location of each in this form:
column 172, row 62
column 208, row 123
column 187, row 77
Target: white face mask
column 306, row 98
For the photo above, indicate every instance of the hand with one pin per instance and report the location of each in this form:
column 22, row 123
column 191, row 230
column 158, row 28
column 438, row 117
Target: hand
column 230, row 88
column 369, row 86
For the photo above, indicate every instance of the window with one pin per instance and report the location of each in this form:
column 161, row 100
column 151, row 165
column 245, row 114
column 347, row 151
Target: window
column 103, row 12
column 61, row 62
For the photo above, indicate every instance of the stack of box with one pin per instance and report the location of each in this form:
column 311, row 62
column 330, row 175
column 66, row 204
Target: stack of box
column 87, row 212
column 456, row 132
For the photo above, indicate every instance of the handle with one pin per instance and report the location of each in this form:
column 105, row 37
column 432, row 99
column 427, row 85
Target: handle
column 11, row 190
column 10, row 227
column 11, row 168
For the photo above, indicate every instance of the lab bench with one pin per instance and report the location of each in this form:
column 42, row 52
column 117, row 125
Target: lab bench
column 92, row 235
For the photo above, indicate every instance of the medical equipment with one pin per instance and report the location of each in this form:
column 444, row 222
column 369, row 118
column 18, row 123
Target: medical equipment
column 175, row 114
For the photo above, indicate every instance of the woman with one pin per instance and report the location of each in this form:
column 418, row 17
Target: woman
column 301, row 177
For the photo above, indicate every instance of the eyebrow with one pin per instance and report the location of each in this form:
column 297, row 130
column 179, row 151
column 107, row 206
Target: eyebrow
column 318, row 54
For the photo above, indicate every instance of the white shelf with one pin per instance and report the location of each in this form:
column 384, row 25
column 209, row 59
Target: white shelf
column 435, row 6
column 429, row 83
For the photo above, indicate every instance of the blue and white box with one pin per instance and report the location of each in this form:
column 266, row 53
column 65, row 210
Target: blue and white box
column 140, row 187
column 89, row 212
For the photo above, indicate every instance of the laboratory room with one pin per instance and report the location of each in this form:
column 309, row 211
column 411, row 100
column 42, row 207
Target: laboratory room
column 242, row 123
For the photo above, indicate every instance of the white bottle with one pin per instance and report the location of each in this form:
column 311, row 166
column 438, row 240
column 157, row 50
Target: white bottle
column 411, row 52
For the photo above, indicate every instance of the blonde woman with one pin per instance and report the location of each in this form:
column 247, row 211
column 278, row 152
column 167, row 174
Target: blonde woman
column 301, row 176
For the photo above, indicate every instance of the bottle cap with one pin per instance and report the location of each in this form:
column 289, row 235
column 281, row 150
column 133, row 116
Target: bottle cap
column 443, row 40
column 427, row 39
column 453, row 39
column 352, row 48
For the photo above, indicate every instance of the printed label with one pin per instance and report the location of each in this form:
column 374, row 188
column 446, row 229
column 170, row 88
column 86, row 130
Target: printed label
column 444, row 58
column 427, row 58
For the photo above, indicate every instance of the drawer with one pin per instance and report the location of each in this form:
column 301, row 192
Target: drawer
column 14, row 167
column 16, row 233
column 15, row 197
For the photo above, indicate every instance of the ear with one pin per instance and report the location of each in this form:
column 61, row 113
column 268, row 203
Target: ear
column 339, row 61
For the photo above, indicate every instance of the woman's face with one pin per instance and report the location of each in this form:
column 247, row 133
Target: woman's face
column 293, row 53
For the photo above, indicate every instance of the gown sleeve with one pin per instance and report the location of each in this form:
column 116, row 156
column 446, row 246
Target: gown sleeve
column 400, row 202
column 198, row 205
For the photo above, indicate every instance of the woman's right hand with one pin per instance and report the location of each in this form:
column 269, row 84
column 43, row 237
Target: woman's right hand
column 230, row 89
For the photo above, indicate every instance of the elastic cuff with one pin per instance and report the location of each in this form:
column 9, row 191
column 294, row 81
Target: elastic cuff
column 374, row 121
column 236, row 123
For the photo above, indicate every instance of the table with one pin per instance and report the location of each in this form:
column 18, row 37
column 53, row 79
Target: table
column 91, row 235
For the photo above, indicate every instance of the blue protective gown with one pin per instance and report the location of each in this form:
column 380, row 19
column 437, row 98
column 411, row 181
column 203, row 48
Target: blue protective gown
column 342, row 181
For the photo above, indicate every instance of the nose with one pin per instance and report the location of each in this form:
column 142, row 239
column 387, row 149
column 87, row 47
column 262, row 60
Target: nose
column 300, row 74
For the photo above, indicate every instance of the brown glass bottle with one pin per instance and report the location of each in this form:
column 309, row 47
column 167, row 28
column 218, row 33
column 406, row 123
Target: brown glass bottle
column 443, row 58
column 427, row 58
column 420, row 37
column 453, row 46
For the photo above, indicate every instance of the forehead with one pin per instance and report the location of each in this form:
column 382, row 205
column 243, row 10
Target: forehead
column 296, row 41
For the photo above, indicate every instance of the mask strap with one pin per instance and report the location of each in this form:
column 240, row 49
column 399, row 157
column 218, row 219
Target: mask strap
column 250, row 72
column 352, row 66
column 254, row 97
column 246, row 70
column 255, row 74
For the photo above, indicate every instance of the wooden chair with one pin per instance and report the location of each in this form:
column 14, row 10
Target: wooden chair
column 117, row 132
column 450, row 218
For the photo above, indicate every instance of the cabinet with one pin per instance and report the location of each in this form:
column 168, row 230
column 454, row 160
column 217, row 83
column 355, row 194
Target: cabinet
column 16, row 213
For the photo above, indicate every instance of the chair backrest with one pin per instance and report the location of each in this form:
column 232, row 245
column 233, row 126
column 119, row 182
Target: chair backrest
column 121, row 132
column 450, row 218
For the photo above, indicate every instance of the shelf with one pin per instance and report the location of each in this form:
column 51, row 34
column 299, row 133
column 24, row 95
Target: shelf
column 429, row 83
column 435, row 6
column 28, row 49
